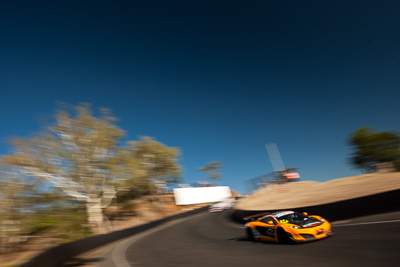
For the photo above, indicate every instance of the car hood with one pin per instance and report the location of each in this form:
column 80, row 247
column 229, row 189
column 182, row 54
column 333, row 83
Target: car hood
column 310, row 222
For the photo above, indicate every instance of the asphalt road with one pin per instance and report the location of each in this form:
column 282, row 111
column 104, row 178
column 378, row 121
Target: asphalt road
column 212, row 239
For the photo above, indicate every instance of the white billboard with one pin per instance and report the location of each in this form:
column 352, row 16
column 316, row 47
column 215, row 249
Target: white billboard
column 196, row 195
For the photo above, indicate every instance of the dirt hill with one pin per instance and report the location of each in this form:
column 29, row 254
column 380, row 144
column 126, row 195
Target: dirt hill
column 308, row 193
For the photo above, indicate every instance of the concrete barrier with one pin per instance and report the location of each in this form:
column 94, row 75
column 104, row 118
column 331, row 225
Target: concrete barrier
column 59, row 254
column 346, row 209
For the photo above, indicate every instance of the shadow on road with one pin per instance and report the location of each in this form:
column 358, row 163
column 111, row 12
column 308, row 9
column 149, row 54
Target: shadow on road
column 79, row 261
column 241, row 238
column 246, row 239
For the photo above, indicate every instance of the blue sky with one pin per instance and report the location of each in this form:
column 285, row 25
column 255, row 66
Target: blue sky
column 218, row 79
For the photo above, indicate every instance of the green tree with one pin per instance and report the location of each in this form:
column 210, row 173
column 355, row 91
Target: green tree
column 78, row 155
column 211, row 169
column 26, row 208
column 374, row 148
column 150, row 165
column 13, row 201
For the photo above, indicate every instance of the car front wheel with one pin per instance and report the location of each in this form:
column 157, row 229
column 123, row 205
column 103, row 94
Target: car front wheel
column 249, row 234
column 283, row 237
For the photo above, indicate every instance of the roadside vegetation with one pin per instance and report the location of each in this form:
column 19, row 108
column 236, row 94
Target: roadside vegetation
column 61, row 181
column 375, row 151
column 211, row 169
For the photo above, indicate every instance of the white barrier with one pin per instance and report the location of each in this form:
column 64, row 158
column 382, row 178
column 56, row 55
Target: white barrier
column 196, row 195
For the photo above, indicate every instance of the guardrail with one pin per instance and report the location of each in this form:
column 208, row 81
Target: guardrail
column 345, row 209
column 59, row 254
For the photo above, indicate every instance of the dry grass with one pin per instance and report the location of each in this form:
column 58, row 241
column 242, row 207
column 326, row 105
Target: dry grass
column 145, row 211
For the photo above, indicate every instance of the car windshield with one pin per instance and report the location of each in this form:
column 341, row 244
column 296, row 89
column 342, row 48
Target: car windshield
column 290, row 217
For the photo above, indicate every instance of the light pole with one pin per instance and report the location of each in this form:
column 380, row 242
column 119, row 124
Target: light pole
column 274, row 157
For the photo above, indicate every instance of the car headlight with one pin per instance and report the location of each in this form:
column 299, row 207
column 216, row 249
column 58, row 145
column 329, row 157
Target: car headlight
column 322, row 220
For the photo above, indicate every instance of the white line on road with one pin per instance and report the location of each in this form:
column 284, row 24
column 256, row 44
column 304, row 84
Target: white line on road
column 118, row 255
column 351, row 224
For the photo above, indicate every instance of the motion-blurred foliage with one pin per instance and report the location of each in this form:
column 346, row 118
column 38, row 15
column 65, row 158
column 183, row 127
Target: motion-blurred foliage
column 71, row 170
column 211, row 168
column 375, row 150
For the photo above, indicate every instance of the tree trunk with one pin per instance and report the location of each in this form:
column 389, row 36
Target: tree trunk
column 99, row 224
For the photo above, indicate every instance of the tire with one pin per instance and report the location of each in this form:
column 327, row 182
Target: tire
column 249, row 234
column 283, row 237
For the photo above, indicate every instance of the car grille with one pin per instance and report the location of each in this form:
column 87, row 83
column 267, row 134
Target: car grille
column 307, row 236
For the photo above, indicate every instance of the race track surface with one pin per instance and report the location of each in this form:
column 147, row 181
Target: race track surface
column 212, row 239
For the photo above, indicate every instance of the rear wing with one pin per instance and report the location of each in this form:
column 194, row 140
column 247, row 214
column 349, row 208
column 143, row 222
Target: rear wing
column 255, row 216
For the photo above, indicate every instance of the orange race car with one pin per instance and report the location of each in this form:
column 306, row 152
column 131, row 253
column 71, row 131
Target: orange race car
column 287, row 227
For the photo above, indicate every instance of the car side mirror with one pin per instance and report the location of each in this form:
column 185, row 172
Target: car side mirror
column 305, row 213
column 270, row 222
